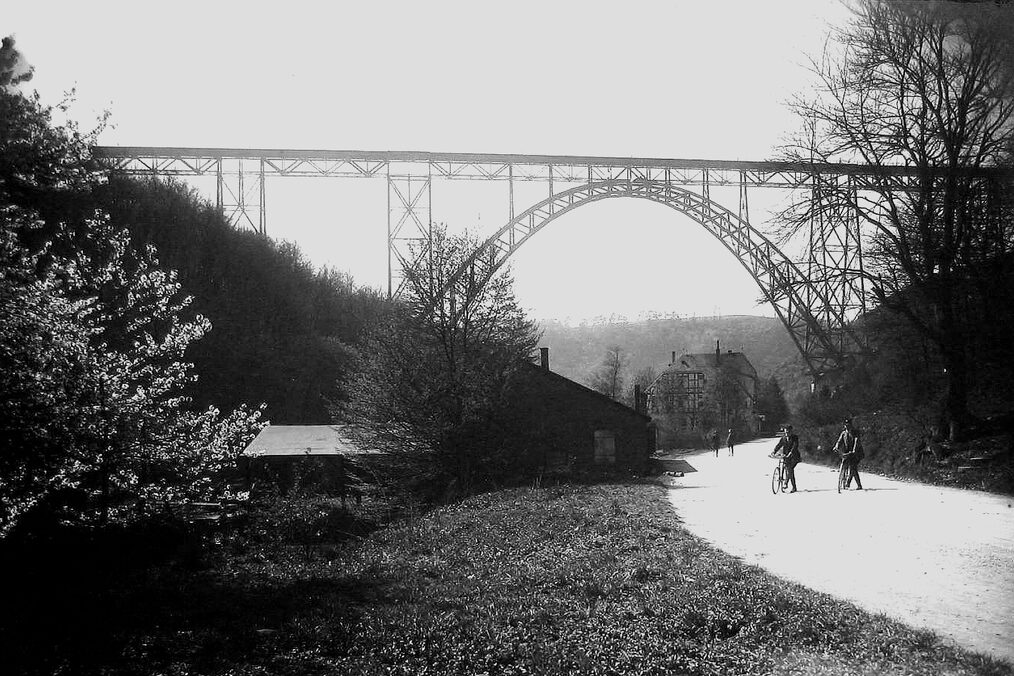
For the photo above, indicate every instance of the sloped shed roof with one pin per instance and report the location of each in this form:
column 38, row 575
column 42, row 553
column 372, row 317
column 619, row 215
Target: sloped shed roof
column 312, row 440
column 583, row 390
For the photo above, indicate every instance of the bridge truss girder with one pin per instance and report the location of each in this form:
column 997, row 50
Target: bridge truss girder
column 815, row 308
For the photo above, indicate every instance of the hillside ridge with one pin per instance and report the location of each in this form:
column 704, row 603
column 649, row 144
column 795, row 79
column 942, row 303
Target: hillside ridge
column 575, row 351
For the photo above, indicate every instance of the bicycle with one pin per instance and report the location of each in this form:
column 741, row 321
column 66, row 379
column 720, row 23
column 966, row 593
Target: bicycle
column 779, row 477
column 843, row 474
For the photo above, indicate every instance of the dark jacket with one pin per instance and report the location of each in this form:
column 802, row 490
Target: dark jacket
column 788, row 446
column 849, row 446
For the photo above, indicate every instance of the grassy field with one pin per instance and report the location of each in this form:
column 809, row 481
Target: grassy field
column 566, row 580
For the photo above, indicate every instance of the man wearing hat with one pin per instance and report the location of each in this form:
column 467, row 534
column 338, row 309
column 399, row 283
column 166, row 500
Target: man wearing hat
column 788, row 448
column 851, row 451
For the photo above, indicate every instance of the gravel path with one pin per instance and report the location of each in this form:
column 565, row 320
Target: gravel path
column 932, row 557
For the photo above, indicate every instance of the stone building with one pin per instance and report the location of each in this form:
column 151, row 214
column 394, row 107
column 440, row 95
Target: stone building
column 698, row 392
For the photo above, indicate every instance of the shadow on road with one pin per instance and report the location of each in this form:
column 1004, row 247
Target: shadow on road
column 832, row 490
column 815, row 490
column 871, row 490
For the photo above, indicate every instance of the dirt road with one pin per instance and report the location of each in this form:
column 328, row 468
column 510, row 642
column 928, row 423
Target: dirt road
column 936, row 558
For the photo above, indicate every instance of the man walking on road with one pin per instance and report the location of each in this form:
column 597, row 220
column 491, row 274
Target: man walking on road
column 730, row 440
column 788, row 448
column 851, row 451
column 713, row 440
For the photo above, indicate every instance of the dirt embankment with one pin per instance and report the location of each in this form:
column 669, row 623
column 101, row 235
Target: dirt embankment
column 896, row 448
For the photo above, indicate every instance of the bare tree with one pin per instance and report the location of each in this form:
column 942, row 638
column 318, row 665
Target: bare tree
column 643, row 378
column 929, row 86
column 434, row 382
column 609, row 377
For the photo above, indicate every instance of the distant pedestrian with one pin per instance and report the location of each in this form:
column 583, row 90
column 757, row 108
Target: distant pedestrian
column 850, row 449
column 713, row 440
column 730, row 440
column 788, row 449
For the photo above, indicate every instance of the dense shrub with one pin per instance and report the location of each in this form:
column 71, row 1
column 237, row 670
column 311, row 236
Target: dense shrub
column 95, row 425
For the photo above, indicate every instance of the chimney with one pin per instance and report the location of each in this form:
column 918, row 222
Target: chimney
column 718, row 352
column 544, row 354
column 638, row 399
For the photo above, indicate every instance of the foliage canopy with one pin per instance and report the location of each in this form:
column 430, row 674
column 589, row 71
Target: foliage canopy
column 94, row 422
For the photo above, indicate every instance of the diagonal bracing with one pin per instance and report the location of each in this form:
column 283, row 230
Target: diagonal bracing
column 816, row 303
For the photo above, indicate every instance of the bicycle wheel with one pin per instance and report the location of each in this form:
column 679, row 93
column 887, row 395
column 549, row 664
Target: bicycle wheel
column 776, row 479
column 843, row 477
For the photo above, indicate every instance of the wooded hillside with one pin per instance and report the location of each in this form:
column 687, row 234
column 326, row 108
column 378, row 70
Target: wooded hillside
column 575, row 351
column 282, row 331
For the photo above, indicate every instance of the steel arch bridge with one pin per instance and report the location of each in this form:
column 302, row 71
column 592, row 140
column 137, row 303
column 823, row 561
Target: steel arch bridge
column 819, row 329
column 816, row 299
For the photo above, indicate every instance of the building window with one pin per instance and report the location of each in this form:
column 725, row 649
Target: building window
column 605, row 447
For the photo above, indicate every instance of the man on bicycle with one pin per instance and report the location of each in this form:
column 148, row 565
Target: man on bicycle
column 851, row 451
column 788, row 450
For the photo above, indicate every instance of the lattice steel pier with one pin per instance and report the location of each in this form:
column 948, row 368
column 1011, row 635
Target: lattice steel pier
column 816, row 299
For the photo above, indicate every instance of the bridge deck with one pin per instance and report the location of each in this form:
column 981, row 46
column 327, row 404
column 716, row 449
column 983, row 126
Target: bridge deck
column 394, row 156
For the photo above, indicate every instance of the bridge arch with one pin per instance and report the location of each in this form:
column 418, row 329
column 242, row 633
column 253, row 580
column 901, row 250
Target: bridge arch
column 812, row 322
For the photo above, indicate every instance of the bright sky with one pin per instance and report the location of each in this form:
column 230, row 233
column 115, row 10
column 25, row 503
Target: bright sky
column 705, row 79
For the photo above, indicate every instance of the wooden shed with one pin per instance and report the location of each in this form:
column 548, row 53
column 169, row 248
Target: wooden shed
column 287, row 455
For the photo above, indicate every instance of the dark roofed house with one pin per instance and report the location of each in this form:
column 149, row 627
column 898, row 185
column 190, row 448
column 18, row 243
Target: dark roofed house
column 573, row 426
column 557, row 424
column 698, row 392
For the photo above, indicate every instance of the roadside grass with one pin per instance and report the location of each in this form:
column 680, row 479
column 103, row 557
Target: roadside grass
column 597, row 579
